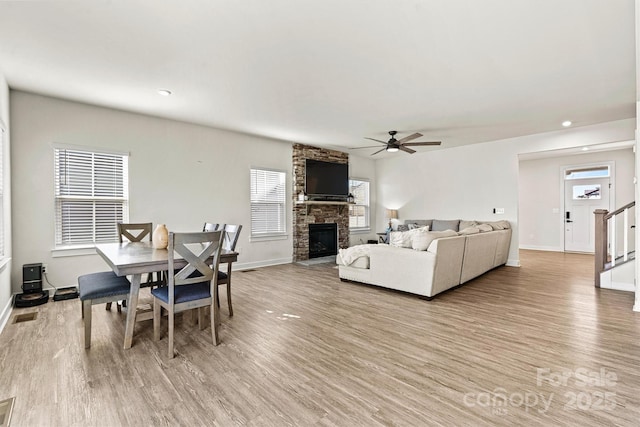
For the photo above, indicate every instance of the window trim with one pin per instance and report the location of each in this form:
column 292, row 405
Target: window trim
column 366, row 228
column 261, row 237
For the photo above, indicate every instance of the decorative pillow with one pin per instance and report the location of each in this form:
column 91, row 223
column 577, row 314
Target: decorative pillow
column 414, row 225
column 419, row 222
column 442, row 225
column 403, row 239
column 469, row 230
column 467, row 224
column 423, row 239
column 484, row 227
column 402, row 227
column 499, row 225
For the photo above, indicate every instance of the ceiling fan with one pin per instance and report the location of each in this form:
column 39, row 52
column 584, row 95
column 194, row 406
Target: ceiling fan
column 394, row 144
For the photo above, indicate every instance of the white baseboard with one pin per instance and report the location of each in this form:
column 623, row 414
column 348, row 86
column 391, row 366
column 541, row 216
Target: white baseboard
column 542, row 248
column 265, row 263
column 513, row 263
column 6, row 314
column 636, row 307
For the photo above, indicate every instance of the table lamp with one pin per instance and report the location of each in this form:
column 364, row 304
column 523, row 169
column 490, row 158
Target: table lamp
column 391, row 214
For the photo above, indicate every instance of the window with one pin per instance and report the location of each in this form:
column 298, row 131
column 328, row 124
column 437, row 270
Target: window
column 92, row 196
column 268, row 202
column 359, row 212
column 593, row 172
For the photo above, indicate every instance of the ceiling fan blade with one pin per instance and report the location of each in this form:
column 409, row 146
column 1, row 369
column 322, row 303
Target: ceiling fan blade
column 376, row 140
column 368, row 146
column 379, row 151
column 406, row 150
column 409, row 138
column 416, row 144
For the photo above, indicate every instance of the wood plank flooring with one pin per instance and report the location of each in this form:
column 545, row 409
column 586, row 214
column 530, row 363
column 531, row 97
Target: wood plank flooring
column 305, row 349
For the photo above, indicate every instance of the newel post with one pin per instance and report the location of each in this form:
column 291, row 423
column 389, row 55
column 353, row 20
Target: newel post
column 601, row 239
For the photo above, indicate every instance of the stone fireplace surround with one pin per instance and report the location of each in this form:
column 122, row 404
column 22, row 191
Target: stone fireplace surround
column 316, row 212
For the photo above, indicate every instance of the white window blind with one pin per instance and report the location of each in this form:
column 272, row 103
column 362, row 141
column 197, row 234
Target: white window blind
column 92, row 196
column 359, row 212
column 268, row 202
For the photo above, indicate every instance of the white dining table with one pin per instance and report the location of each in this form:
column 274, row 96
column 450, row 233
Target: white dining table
column 137, row 258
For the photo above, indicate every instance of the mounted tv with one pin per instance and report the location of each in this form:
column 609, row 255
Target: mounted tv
column 326, row 180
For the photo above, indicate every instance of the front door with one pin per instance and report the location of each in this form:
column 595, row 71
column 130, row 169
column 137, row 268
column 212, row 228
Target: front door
column 581, row 198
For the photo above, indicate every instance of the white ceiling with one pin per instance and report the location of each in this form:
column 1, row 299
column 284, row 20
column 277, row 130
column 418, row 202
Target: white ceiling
column 330, row 72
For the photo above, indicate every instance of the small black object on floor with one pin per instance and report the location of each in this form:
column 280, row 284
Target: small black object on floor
column 31, row 299
column 65, row 293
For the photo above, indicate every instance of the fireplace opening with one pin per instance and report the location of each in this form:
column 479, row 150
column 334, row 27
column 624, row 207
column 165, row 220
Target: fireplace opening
column 323, row 240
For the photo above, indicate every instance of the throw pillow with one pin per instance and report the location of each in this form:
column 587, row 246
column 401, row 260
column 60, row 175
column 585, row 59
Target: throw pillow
column 442, row 225
column 403, row 227
column 469, row 230
column 467, row 224
column 499, row 225
column 403, row 239
column 422, row 240
column 484, row 227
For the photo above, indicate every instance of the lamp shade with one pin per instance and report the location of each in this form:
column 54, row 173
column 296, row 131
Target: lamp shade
column 392, row 214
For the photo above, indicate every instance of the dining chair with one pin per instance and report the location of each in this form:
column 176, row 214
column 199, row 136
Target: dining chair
column 230, row 239
column 137, row 232
column 191, row 286
column 208, row 226
column 97, row 288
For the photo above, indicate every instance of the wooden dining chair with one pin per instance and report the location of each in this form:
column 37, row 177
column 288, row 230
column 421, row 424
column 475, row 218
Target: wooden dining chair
column 230, row 239
column 208, row 226
column 137, row 232
column 97, row 288
column 191, row 286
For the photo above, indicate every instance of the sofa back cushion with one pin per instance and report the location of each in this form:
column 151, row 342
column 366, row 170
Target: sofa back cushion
column 441, row 224
column 422, row 240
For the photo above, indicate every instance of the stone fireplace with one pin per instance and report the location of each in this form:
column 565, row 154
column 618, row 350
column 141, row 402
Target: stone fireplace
column 311, row 212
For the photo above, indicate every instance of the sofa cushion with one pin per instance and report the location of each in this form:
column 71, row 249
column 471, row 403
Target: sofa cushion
column 441, row 224
column 466, row 224
column 484, row 227
column 422, row 240
column 469, row 230
column 499, row 225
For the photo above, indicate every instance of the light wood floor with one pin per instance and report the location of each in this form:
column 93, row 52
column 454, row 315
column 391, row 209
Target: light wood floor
column 305, row 349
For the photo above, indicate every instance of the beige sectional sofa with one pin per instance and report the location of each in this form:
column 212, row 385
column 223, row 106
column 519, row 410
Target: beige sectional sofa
column 446, row 263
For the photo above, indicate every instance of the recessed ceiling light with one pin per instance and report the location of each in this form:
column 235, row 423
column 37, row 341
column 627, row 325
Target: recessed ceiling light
column 566, row 123
column 164, row 92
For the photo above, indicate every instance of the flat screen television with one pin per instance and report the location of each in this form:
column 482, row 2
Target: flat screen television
column 326, row 180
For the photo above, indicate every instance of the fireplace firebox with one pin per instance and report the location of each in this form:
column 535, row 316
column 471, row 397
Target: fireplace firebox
column 323, row 240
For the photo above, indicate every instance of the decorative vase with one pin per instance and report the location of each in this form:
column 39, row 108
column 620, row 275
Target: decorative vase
column 160, row 237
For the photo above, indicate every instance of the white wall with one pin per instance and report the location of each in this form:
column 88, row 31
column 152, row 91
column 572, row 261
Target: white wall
column 468, row 182
column 5, row 270
column 540, row 182
column 180, row 174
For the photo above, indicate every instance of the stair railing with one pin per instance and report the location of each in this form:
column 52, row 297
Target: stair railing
column 606, row 240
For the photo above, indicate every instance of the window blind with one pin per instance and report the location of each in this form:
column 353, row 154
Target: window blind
column 359, row 212
column 91, row 190
column 268, row 202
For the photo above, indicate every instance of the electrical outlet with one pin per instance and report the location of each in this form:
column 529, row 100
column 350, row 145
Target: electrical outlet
column 44, row 268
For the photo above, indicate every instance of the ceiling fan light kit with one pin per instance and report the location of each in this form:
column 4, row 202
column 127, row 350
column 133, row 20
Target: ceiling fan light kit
column 393, row 144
